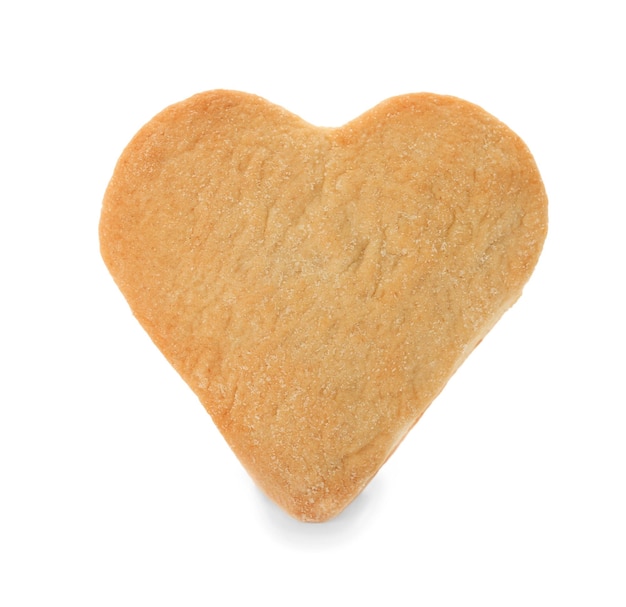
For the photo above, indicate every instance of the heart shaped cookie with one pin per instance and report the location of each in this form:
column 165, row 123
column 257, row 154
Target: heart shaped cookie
column 317, row 287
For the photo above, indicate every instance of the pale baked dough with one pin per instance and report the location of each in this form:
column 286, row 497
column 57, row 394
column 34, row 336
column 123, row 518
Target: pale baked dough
column 317, row 287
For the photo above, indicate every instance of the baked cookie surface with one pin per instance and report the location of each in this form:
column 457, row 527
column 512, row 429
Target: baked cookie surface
column 317, row 287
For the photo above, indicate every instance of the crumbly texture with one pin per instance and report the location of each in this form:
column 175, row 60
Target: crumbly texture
column 317, row 287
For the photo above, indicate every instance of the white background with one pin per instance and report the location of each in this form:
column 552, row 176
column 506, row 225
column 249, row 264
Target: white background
column 116, row 488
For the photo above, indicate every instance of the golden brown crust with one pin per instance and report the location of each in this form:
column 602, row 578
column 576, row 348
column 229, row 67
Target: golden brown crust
column 317, row 287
